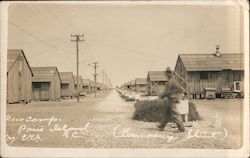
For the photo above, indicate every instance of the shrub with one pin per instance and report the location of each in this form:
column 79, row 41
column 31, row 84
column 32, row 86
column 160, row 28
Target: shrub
column 153, row 110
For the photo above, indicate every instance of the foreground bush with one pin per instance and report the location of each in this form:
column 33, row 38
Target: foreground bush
column 153, row 110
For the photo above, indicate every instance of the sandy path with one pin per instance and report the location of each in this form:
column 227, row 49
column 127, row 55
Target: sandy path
column 105, row 122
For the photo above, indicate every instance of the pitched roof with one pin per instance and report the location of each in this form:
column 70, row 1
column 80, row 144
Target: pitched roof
column 79, row 78
column 86, row 82
column 99, row 84
column 211, row 62
column 45, row 71
column 66, row 76
column 157, row 76
column 13, row 55
column 140, row 81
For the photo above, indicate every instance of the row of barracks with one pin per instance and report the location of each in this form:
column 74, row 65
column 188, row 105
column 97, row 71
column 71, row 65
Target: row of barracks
column 199, row 75
column 26, row 83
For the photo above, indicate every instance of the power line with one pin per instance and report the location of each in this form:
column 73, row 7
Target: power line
column 40, row 17
column 116, row 45
column 55, row 20
column 46, row 21
column 35, row 37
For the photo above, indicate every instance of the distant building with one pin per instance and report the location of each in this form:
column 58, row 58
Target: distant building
column 212, row 72
column 86, row 85
column 132, row 85
column 46, row 83
column 156, row 82
column 100, row 86
column 67, row 84
column 19, row 76
column 126, row 85
column 141, row 85
column 92, row 85
column 79, row 83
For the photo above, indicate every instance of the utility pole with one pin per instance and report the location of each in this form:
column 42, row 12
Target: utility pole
column 102, row 71
column 77, row 39
column 95, row 65
column 104, row 78
column 106, row 81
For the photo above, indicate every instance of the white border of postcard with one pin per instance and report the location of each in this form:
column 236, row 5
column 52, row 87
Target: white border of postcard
column 7, row 151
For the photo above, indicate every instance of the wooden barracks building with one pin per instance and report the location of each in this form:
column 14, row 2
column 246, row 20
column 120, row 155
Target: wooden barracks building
column 140, row 84
column 211, row 75
column 46, row 83
column 67, row 84
column 19, row 75
column 132, row 85
column 156, row 82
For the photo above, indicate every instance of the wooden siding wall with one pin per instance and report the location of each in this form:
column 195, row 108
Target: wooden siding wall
column 80, row 87
column 55, row 85
column 156, row 88
column 69, row 92
column 72, row 90
column 12, row 84
column 132, row 87
column 65, row 91
column 86, row 88
column 195, row 85
column 42, row 93
column 19, row 86
column 224, row 79
column 141, row 88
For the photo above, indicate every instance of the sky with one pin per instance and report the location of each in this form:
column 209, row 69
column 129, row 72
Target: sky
column 127, row 40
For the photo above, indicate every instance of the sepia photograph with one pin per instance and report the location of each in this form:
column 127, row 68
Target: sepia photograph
column 125, row 79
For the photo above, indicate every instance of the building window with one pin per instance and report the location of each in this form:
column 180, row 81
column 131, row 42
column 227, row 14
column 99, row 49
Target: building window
column 236, row 76
column 45, row 85
column 161, row 83
column 237, row 86
column 203, row 75
column 37, row 85
column 65, row 85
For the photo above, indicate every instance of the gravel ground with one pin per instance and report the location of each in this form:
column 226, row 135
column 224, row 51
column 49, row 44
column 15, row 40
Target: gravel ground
column 105, row 122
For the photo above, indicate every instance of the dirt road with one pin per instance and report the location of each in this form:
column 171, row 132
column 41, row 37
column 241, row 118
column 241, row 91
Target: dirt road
column 105, row 122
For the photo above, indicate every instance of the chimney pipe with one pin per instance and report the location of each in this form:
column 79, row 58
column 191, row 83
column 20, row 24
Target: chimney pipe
column 217, row 52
